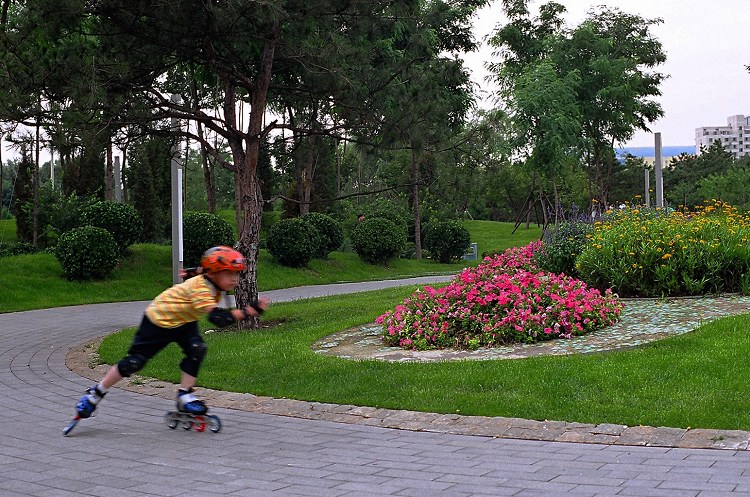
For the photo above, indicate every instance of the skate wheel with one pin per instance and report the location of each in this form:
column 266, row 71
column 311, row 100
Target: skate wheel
column 171, row 422
column 214, row 423
column 200, row 426
column 186, row 425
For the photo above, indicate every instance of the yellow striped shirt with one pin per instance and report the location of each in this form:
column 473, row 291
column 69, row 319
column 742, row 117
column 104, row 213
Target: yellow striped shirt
column 182, row 303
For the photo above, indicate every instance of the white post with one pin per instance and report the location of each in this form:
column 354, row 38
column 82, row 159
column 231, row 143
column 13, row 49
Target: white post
column 117, row 180
column 657, row 168
column 647, row 194
column 176, row 201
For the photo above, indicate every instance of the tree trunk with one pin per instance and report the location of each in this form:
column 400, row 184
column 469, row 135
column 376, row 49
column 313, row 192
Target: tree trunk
column 414, row 174
column 308, row 173
column 208, row 174
column 36, row 188
column 1, row 181
column 250, row 208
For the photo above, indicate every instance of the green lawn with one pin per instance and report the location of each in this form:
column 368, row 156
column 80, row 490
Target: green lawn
column 146, row 271
column 696, row 380
column 7, row 230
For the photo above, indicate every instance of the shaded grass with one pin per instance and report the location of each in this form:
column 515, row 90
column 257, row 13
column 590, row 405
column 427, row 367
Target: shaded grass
column 696, row 380
column 7, row 230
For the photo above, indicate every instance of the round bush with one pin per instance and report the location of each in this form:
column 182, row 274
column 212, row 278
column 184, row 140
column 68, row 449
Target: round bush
column 122, row 220
column 331, row 234
column 378, row 240
column 200, row 232
column 87, row 253
column 292, row 241
column 446, row 240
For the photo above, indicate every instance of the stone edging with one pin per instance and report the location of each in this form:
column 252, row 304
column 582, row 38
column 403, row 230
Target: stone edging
column 83, row 360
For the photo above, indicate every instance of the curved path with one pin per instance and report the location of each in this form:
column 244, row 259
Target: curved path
column 127, row 451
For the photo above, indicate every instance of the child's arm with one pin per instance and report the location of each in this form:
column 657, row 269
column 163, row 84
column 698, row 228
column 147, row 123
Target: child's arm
column 224, row 317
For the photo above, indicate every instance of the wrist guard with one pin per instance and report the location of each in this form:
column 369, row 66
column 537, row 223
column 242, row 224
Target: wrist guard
column 221, row 317
column 256, row 307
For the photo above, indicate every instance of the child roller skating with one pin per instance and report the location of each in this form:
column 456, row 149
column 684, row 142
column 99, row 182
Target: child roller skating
column 173, row 317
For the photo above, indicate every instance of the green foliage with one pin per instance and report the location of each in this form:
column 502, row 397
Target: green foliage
column 732, row 187
column 200, row 232
column 87, row 253
column 652, row 254
column 446, row 240
column 563, row 243
column 331, row 234
column 24, row 195
column 682, row 183
column 378, row 240
column 18, row 248
column 122, row 220
column 149, row 186
column 292, row 242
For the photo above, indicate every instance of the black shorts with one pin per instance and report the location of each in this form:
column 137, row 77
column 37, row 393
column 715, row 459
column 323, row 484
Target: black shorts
column 151, row 339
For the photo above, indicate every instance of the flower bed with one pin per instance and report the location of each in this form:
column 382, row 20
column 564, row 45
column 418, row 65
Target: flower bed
column 647, row 253
column 506, row 299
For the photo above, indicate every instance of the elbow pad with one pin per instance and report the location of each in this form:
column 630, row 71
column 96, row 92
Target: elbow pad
column 221, row 317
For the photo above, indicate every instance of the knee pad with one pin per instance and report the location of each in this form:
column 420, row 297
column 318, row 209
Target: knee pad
column 131, row 364
column 194, row 355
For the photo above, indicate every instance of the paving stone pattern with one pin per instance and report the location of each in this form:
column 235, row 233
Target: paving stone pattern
column 126, row 450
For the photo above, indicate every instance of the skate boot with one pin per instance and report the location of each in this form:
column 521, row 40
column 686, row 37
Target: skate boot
column 87, row 405
column 186, row 402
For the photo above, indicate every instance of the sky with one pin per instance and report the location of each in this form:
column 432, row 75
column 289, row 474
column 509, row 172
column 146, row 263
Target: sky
column 707, row 47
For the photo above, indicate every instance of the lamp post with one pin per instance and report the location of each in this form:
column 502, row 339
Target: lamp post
column 177, row 259
column 657, row 168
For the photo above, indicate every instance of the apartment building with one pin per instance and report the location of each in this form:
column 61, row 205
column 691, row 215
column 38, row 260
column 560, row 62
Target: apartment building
column 734, row 137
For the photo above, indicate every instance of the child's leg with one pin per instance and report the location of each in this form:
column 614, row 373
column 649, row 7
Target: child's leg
column 147, row 342
column 194, row 349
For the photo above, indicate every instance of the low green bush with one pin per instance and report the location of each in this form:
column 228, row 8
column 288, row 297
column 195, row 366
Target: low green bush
column 331, row 234
column 122, row 220
column 16, row 248
column 292, row 242
column 87, row 253
column 378, row 240
column 200, row 232
column 446, row 240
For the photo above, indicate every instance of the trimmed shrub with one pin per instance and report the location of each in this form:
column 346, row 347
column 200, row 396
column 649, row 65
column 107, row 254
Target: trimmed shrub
column 200, row 232
column 562, row 245
column 292, row 241
column 446, row 240
column 122, row 220
column 87, row 253
column 17, row 248
column 378, row 240
column 331, row 234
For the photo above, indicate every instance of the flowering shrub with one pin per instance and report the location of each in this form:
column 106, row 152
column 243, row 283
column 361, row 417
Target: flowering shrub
column 655, row 253
column 505, row 299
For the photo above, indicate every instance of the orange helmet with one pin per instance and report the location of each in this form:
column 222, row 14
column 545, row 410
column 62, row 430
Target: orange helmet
column 222, row 258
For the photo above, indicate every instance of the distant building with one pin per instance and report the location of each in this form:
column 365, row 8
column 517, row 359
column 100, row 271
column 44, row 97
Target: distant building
column 648, row 154
column 735, row 137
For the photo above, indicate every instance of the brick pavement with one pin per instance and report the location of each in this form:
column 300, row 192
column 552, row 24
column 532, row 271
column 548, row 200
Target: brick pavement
column 127, row 451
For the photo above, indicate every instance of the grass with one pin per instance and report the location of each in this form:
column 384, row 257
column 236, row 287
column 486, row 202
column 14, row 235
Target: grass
column 696, row 380
column 7, row 230
column 146, row 271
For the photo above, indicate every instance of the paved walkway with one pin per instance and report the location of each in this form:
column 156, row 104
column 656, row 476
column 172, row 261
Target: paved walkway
column 127, row 451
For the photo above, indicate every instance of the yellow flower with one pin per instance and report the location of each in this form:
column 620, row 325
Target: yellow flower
column 666, row 256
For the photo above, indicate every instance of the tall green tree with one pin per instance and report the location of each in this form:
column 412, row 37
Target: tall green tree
column 250, row 52
column 576, row 92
